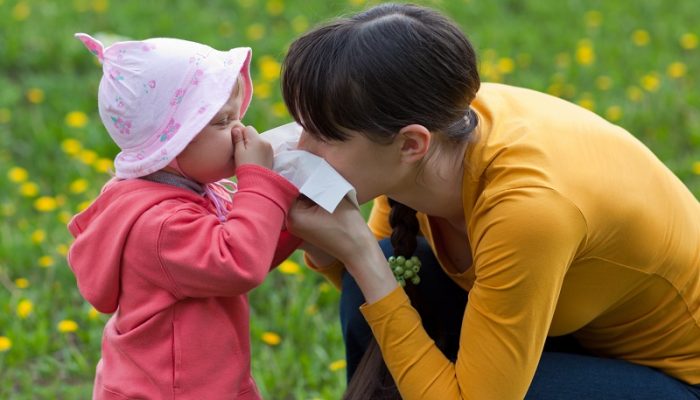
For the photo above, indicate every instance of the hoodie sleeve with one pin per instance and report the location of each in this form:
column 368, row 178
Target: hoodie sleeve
column 202, row 257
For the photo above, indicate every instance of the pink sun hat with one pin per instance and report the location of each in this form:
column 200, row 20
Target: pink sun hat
column 156, row 95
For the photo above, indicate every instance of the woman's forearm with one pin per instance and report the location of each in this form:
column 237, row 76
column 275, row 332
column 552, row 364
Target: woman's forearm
column 372, row 273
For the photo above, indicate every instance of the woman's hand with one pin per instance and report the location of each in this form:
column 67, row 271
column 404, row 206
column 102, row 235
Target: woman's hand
column 249, row 148
column 345, row 236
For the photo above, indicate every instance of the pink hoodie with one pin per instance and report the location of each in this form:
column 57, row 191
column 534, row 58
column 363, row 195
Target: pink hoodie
column 176, row 280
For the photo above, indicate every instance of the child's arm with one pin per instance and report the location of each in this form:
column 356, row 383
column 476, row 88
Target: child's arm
column 202, row 257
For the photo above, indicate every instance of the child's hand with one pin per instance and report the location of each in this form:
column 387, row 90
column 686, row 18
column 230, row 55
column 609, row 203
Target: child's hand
column 248, row 148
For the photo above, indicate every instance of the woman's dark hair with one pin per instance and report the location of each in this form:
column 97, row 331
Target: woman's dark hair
column 374, row 73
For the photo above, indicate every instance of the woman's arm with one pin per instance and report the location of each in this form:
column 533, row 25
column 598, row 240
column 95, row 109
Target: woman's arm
column 344, row 235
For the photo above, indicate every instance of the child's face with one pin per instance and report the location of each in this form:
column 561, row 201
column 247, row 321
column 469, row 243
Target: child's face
column 209, row 156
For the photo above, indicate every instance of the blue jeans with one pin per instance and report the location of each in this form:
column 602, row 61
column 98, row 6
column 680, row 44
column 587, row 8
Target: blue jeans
column 565, row 370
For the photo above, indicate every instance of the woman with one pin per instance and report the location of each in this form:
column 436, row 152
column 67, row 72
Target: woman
column 555, row 222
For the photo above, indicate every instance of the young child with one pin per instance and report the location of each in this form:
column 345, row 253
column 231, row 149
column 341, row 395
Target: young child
column 164, row 247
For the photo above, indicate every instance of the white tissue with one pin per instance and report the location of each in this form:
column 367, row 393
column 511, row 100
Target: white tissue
column 312, row 175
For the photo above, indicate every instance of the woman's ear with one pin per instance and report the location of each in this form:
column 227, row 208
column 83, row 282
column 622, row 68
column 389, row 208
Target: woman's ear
column 414, row 142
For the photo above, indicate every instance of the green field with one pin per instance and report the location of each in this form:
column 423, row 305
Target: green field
column 635, row 63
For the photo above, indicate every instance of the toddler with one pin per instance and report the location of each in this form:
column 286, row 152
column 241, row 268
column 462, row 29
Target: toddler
column 165, row 246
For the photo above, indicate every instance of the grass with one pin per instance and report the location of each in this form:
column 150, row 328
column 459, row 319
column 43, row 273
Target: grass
column 634, row 63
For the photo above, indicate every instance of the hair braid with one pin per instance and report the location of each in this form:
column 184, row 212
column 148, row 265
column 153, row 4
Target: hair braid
column 404, row 225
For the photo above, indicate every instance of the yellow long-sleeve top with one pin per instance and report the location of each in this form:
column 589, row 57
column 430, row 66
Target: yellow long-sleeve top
column 575, row 227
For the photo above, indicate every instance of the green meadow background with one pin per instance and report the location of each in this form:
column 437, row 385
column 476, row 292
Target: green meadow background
column 634, row 62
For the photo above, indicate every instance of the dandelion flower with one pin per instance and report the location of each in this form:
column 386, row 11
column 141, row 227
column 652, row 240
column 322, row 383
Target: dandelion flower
column 689, row 41
column 46, row 261
column 289, row 267
column 82, row 206
column 35, row 95
column 29, row 189
column 337, row 365
column 696, row 167
column 587, row 103
column 24, row 308
column 76, row 119
column 279, row 109
column 64, row 217
column 93, row 314
column 640, row 37
column 22, row 283
column 613, row 113
column 100, row 6
column 603, row 82
column 255, row 32
column 21, row 11
column 17, row 174
column 651, row 82
column 271, row 338
column 103, row 165
column 71, row 146
column 300, row 24
column 87, row 157
column 262, row 90
column 585, row 55
column 676, row 70
column 269, row 68
column 274, row 7
column 45, row 204
column 5, row 343
column 38, row 236
column 78, row 186
column 505, row 65
column 67, row 326
column 635, row 94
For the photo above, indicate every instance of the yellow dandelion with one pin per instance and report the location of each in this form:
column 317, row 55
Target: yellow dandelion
column 103, row 165
column 67, row 326
column 87, row 157
column 640, row 37
column 76, row 119
column 271, row 338
column 100, row 6
column 289, row 267
column 337, row 365
column 263, row 90
column 505, row 65
column 78, row 186
column 21, row 11
column 274, row 7
column 71, row 146
column 585, row 55
column 300, row 24
column 603, row 82
column 38, row 236
column 279, row 109
column 82, row 206
column 5, row 115
column 593, row 18
column 64, row 217
column 93, row 314
column 324, row 287
column 29, row 189
column 255, row 31
column 696, row 167
column 689, row 41
column 676, row 70
column 635, row 94
column 269, row 68
column 650, row 82
column 587, row 103
column 24, row 308
column 22, row 283
column 35, row 95
column 490, row 71
column 613, row 113
column 45, row 204
column 5, row 343
column 62, row 249
column 46, row 261
column 17, row 174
